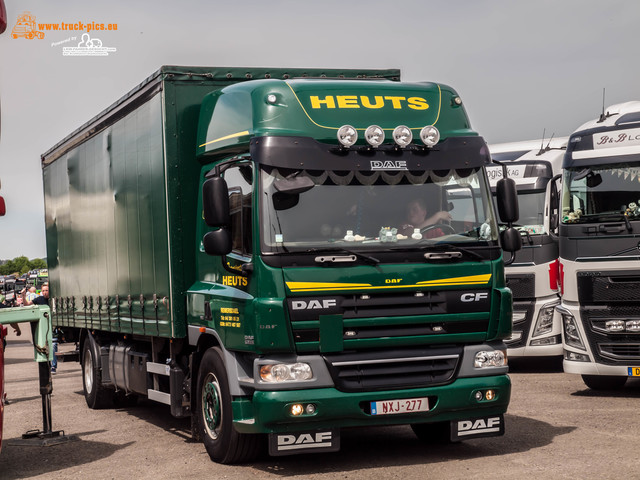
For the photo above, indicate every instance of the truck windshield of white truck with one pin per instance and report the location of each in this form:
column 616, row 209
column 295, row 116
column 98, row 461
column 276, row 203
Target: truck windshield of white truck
column 601, row 193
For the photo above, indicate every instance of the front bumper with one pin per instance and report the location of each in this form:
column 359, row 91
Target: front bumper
column 268, row 411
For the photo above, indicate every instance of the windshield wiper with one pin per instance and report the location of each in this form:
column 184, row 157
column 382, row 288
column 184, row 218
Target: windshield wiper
column 456, row 252
column 615, row 216
column 460, row 249
column 352, row 255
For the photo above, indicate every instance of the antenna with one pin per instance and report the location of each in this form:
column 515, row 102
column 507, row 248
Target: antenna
column 544, row 130
column 603, row 117
column 547, row 148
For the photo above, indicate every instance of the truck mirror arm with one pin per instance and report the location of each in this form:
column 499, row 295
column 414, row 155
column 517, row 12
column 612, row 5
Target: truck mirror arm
column 511, row 258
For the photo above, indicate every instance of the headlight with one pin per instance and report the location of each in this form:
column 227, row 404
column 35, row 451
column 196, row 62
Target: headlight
column 286, row 372
column 615, row 325
column 491, row 358
column 571, row 332
column 633, row 325
column 544, row 323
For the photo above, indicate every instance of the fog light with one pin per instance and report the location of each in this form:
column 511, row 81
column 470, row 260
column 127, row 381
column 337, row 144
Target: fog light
column 347, row 135
column 490, row 395
column 515, row 337
column 310, row 409
column 297, row 409
column 479, row 396
column 555, row 340
column 615, row 325
column 402, row 135
column 576, row 357
column 491, row 358
column 430, row 135
column 374, row 135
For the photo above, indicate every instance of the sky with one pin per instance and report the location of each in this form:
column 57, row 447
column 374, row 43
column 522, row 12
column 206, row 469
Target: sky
column 521, row 68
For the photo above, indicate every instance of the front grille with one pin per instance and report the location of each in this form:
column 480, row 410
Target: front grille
column 375, row 321
column 608, row 287
column 620, row 351
column 522, row 285
column 612, row 348
column 393, row 369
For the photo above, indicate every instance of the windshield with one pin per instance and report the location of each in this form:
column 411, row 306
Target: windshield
column 600, row 194
column 311, row 210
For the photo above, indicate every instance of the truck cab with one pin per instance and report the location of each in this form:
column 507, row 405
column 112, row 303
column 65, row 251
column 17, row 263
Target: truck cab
column 304, row 228
column 599, row 259
column 533, row 275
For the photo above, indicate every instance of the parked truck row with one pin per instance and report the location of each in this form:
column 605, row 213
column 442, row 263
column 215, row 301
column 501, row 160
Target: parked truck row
column 533, row 276
column 600, row 248
column 590, row 228
column 281, row 253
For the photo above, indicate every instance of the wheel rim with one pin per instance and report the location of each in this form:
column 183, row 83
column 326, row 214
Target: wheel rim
column 88, row 372
column 212, row 406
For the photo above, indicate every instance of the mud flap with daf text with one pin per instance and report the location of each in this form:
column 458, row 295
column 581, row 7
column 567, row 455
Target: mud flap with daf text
column 477, row 427
column 316, row 441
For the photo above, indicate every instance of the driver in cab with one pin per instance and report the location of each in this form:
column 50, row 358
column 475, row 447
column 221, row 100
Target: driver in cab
column 418, row 216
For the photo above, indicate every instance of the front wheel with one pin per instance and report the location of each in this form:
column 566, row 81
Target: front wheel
column 215, row 418
column 604, row 382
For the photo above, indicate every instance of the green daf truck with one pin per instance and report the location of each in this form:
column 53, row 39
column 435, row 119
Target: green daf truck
column 280, row 253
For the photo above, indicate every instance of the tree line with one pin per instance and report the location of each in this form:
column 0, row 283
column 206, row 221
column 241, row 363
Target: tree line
column 20, row 265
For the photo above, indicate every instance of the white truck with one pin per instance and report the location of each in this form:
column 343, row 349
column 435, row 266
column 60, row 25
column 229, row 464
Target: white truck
column 599, row 249
column 533, row 275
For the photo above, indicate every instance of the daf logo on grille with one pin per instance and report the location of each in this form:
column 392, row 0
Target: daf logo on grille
column 350, row 333
column 313, row 304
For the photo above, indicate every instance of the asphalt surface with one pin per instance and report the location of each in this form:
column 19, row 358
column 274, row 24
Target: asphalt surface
column 556, row 428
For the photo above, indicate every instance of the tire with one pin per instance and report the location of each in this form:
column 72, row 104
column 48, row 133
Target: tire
column 215, row 418
column 95, row 394
column 604, row 382
column 433, row 433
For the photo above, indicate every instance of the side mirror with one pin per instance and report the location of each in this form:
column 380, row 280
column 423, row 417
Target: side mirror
column 554, row 207
column 217, row 242
column 507, row 196
column 511, row 240
column 215, row 202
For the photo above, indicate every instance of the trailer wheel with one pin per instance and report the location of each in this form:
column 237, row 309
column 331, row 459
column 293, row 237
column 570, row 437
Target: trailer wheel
column 433, row 433
column 215, row 418
column 96, row 395
column 604, row 382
